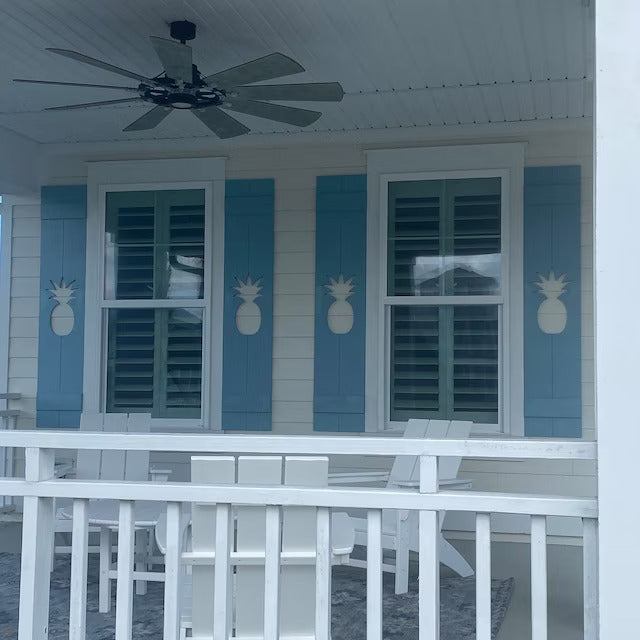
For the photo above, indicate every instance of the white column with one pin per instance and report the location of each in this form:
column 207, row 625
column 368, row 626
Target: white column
column 617, row 307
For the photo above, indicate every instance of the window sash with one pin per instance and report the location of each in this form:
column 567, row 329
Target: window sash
column 164, row 202
column 427, row 356
column 442, row 193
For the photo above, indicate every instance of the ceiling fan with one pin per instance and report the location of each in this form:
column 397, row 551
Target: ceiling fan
column 182, row 86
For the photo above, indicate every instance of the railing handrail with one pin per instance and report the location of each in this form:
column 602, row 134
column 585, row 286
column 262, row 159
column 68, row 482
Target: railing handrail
column 336, row 497
column 495, row 448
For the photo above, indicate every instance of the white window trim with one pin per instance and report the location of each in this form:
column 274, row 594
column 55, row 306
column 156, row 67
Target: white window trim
column 188, row 173
column 385, row 165
column 6, row 215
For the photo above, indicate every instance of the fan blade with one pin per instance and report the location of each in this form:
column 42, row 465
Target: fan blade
column 91, row 104
column 77, row 84
column 312, row 91
column 277, row 112
column 221, row 123
column 175, row 58
column 80, row 57
column 274, row 65
column 150, row 119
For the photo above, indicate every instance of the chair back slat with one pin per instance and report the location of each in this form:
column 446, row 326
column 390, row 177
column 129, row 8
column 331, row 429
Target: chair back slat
column 297, row 590
column 407, row 468
column 112, row 461
column 206, row 470
column 448, row 467
column 251, row 537
column 88, row 462
column 136, row 463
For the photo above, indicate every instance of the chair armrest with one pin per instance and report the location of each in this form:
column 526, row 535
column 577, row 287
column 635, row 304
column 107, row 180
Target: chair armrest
column 446, row 483
column 358, row 477
column 159, row 475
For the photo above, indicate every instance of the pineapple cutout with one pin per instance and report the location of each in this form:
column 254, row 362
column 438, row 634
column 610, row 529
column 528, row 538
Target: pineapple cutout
column 248, row 316
column 552, row 314
column 62, row 318
column 340, row 314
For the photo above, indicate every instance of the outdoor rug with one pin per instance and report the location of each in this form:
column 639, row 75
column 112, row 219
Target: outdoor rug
column 400, row 613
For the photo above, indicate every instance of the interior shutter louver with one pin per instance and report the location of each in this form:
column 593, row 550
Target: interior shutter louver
column 154, row 359
column 552, row 323
column 62, row 257
column 339, row 363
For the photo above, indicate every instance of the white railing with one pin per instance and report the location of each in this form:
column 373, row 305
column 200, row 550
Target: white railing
column 39, row 490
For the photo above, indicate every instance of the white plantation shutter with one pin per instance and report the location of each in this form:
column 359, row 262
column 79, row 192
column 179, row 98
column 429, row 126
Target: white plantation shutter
column 444, row 240
column 155, row 251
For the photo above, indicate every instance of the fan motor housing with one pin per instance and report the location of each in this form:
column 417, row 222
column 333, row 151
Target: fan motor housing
column 183, row 30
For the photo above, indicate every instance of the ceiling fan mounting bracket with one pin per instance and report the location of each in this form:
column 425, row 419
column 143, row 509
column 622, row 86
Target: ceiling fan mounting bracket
column 183, row 30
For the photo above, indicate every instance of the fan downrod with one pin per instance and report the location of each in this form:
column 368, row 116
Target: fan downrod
column 183, row 30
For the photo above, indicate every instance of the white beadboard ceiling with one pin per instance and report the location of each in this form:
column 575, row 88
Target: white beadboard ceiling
column 402, row 63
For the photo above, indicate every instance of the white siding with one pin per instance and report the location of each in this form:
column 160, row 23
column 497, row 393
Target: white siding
column 295, row 169
column 25, row 302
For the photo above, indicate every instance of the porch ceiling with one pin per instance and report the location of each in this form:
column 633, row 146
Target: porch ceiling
column 402, row 63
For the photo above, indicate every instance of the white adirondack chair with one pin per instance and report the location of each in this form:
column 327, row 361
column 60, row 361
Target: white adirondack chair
column 400, row 528
column 297, row 593
column 103, row 514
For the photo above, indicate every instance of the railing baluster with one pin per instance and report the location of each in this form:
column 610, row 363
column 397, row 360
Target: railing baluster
column 374, row 574
column 173, row 572
column 429, row 562
column 37, row 548
column 323, row 574
column 79, row 555
column 483, row 576
column 272, row 573
column 222, row 574
column 124, row 587
column 590, row 577
column 104, row 586
column 538, row 577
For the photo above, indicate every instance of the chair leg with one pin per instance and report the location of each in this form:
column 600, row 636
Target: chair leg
column 104, row 586
column 141, row 563
column 402, row 554
column 451, row 557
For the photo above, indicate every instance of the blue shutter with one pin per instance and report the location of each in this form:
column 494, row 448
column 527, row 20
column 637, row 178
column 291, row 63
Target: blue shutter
column 341, row 242
column 247, row 355
column 552, row 361
column 62, row 257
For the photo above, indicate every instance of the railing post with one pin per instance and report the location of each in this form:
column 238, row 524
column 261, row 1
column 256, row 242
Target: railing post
column 429, row 567
column 37, row 550
column 590, row 577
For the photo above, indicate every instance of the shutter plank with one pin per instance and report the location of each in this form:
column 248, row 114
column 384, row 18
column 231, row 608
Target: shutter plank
column 339, row 363
column 62, row 255
column 552, row 362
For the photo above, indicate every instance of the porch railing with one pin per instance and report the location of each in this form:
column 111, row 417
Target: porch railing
column 39, row 489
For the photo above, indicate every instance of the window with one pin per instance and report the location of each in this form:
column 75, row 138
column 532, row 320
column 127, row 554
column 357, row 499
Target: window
column 443, row 254
column 155, row 243
column 155, row 251
column 444, row 286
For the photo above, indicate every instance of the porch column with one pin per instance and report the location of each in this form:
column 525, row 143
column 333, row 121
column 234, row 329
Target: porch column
column 617, row 311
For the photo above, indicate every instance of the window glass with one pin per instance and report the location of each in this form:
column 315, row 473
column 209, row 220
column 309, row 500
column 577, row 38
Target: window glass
column 154, row 245
column 155, row 251
column 444, row 239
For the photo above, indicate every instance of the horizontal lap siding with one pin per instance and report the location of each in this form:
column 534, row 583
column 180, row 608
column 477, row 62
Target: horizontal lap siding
column 295, row 171
column 25, row 300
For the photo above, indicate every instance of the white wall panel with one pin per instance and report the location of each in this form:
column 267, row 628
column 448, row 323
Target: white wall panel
column 294, row 170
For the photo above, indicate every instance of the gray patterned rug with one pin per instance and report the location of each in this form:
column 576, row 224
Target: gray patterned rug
column 400, row 613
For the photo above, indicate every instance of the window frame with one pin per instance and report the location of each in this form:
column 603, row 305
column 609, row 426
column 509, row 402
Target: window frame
column 505, row 161
column 6, row 222
column 207, row 174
